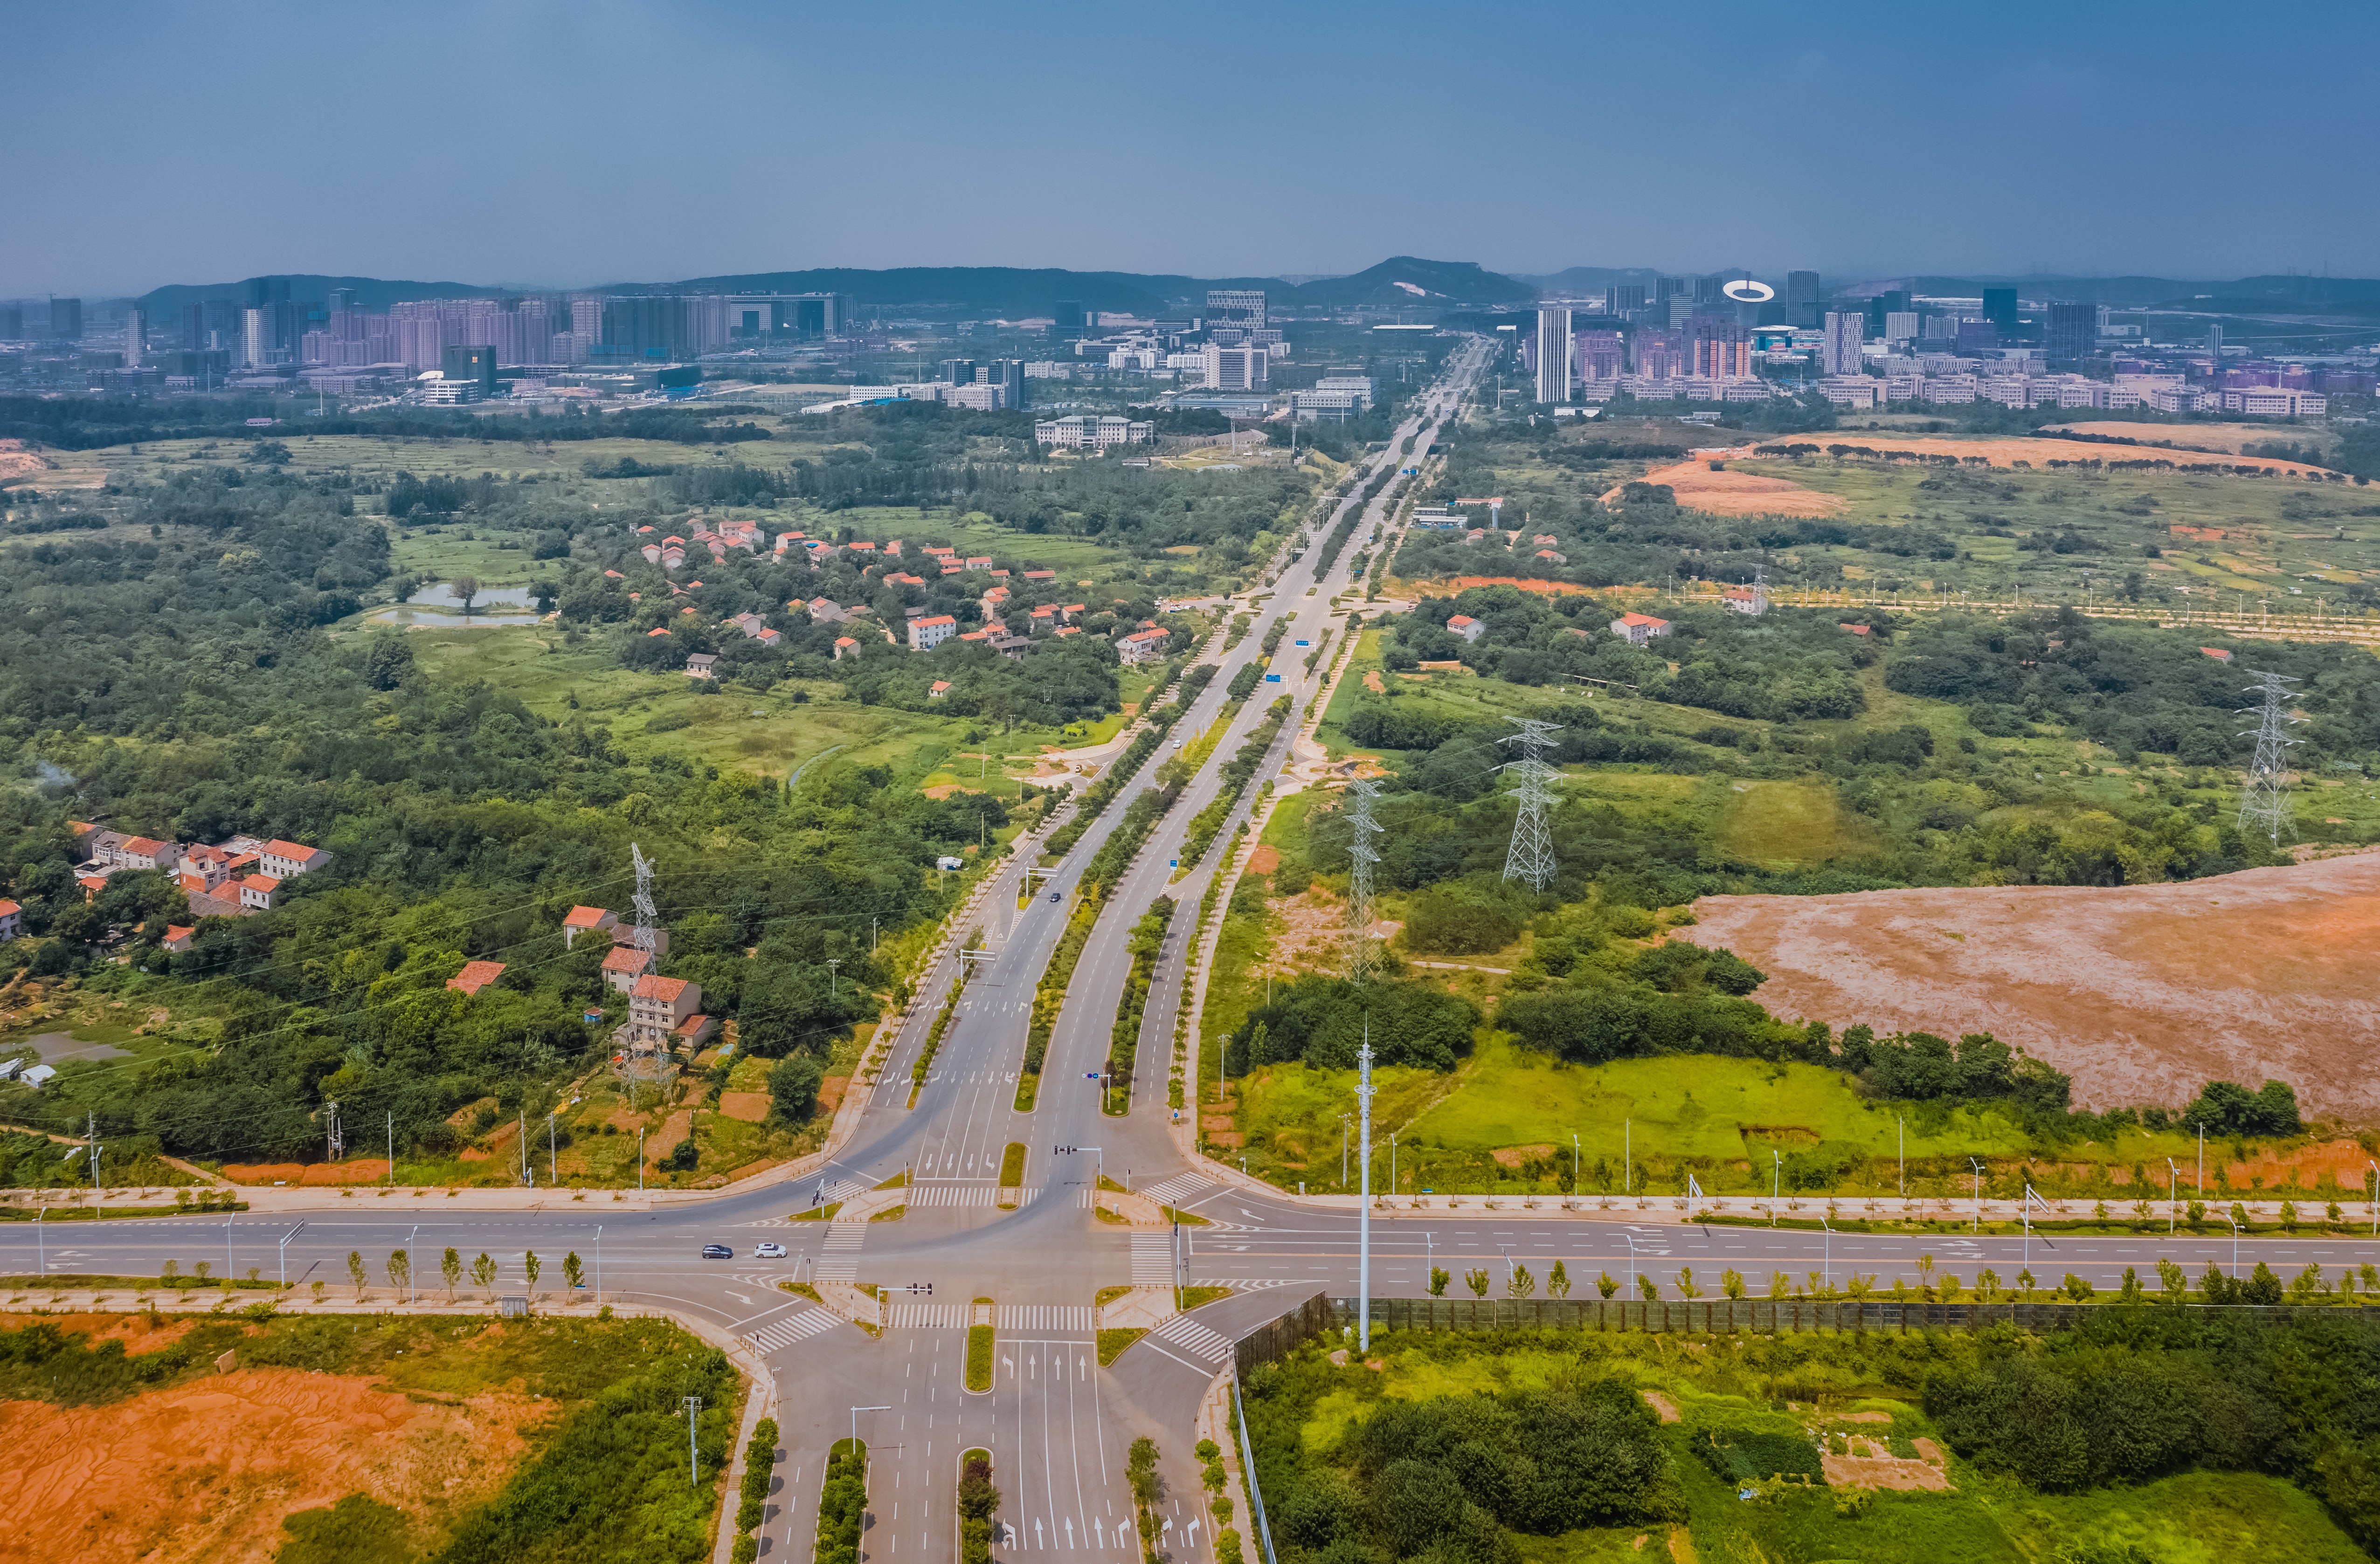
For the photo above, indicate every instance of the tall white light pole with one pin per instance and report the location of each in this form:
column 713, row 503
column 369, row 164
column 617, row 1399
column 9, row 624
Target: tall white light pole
column 1364, row 1213
column 2172, row 1193
column 409, row 1288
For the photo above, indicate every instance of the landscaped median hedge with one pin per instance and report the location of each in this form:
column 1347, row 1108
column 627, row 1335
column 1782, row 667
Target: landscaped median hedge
column 759, row 1470
column 842, row 1503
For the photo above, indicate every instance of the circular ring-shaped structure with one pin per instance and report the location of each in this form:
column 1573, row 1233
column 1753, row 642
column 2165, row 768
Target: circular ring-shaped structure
column 1749, row 290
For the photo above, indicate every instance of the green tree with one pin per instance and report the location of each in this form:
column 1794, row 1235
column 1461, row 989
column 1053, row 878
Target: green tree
column 483, row 1275
column 356, row 1271
column 1437, row 1280
column 1987, row 1284
column 794, row 1085
column 2076, row 1287
column 1476, row 1280
column 1687, row 1287
column 400, row 1271
column 2131, row 1292
column 2262, row 1286
column 1558, row 1282
column 2172, row 1281
column 1605, row 1285
column 450, row 1266
column 1521, row 1284
column 466, row 589
column 573, row 1272
column 1644, row 1285
column 1731, row 1284
column 531, row 1266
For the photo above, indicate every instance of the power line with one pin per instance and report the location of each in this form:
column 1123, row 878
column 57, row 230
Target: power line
column 1530, row 857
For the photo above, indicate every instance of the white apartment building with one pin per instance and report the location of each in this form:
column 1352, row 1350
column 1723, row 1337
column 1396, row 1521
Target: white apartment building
column 2275, row 401
column 1237, row 369
column 1094, row 431
column 1842, row 352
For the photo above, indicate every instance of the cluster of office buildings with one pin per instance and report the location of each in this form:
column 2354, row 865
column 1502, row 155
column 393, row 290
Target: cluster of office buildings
column 1687, row 337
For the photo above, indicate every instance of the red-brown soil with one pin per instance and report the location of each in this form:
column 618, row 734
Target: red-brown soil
column 2141, row 993
column 359, row 1170
column 750, row 1107
column 206, row 1472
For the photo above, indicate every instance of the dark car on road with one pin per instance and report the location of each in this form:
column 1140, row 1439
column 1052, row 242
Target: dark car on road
column 717, row 1252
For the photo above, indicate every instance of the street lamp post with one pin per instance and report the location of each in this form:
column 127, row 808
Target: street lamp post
column 1631, row 1259
column 2172, row 1193
column 1776, row 1182
column 1977, row 1226
column 2376, row 1195
column 229, row 1272
column 599, row 1263
column 1363, row 1210
column 410, row 1289
column 42, row 1241
column 855, row 1424
column 1573, row 1164
column 285, row 1252
column 1826, row 1255
column 2235, row 1244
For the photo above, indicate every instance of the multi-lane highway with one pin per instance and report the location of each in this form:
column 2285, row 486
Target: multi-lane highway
column 1057, row 1423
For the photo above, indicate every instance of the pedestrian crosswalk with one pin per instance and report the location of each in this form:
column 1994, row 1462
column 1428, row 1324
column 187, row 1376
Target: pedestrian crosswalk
column 964, row 1195
column 927, row 1316
column 1176, row 1190
column 778, row 1335
column 1192, row 1340
column 1152, row 1259
column 839, row 1261
column 1045, row 1317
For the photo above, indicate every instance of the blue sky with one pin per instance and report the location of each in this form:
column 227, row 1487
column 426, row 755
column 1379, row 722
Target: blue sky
column 575, row 143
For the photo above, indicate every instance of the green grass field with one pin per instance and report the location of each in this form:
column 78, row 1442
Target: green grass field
column 1720, row 1117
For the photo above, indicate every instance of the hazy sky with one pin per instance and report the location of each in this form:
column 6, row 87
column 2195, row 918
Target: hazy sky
column 572, row 142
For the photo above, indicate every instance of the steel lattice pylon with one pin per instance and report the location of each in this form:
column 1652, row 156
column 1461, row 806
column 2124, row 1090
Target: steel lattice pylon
column 2264, row 802
column 1532, row 855
column 1361, row 828
column 643, row 1062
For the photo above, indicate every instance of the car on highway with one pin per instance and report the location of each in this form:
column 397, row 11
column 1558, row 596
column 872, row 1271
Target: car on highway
column 768, row 1251
column 1053, row 895
column 717, row 1252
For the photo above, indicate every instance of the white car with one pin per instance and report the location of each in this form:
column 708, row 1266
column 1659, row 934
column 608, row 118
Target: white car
column 768, row 1251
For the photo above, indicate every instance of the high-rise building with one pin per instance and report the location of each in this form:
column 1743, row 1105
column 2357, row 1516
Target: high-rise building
column 256, row 340
column 1900, row 325
column 2214, row 342
column 1244, row 308
column 136, row 336
column 194, row 327
column 1553, row 354
column 1599, row 354
column 65, row 318
column 1999, row 308
column 1623, row 297
column 12, row 322
column 1237, row 369
column 958, row 371
column 1840, row 353
column 1009, row 375
column 1706, row 289
column 462, row 362
column 340, row 298
column 1069, row 317
column 1660, row 352
column 1668, row 288
column 1802, row 299
column 2073, row 332
column 1719, row 348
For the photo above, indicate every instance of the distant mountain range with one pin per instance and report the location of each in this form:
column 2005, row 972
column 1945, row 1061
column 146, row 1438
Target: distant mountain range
column 1402, row 282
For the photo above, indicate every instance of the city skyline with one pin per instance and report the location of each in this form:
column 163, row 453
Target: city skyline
column 2046, row 142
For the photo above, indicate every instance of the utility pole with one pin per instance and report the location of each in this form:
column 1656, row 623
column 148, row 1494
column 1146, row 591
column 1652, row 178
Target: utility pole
column 98, row 1192
column 529, row 1179
column 692, row 1405
column 1364, row 1215
column 391, row 1152
column 553, row 1178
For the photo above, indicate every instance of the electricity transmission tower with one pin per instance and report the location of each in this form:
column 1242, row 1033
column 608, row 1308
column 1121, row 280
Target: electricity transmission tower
column 646, row 940
column 1532, row 855
column 2264, row 802
column 1361, row 828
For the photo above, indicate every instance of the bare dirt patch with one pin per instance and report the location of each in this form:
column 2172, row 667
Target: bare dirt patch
column 2222, row 439
column 2141, row 993
column 1883, row 1472
column 206, row 1472
column 831, row 1092
column 1729, row 492
column 19, row 460
column 750, row 1107
column 1664, row 1407
column 138, row 1332
column 1513, row 1156
column 2034, row 453
column 361, row 1171
column 1264, row 859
